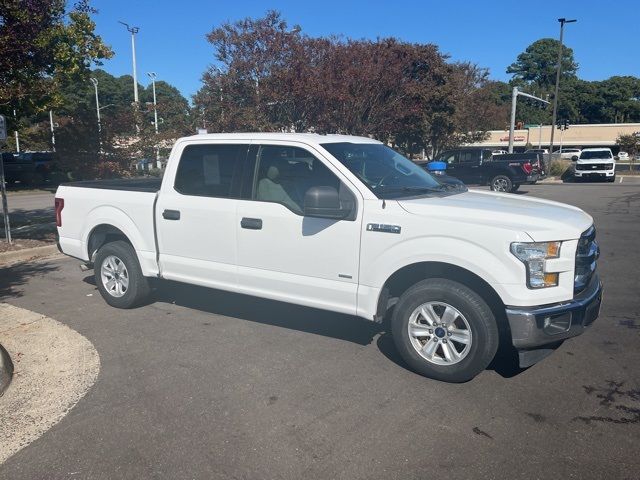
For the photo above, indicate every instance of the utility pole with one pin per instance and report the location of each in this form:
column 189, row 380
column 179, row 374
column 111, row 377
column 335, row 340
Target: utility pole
column 53, row 135
column 133, row 31
column 153, row 76
column 95, row 86
column 514, row 102
column 558, row 72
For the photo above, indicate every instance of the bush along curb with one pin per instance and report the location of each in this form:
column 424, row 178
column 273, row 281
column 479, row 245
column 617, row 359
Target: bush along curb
column 6, row 370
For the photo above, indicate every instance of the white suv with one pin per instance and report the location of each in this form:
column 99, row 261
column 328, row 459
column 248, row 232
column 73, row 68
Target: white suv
column 595, row 163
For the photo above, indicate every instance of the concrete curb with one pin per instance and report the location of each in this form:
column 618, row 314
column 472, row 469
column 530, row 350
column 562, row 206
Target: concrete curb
column 27, row 254
column 54, row 367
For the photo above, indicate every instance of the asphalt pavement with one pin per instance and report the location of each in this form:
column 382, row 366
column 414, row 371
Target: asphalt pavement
column 206, row 384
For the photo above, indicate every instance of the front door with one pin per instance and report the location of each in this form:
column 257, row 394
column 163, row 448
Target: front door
column 281, row 253
column 196, row 217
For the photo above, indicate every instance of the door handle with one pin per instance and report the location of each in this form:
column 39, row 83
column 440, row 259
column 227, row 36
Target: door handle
column 251, row 223
column 171, row 214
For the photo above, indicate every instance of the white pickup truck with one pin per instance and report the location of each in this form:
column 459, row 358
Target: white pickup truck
column 345, row 224
column 595, row 163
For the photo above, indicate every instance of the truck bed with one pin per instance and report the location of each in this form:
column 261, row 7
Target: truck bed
column 146, row 184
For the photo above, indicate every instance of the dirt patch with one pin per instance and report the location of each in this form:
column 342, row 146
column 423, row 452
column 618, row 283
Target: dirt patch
column 54, row 367
column 22, row 243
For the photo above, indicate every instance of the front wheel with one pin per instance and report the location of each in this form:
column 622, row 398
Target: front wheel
column 444, row 330
column 611, row 179
column 501, row 183
column 118, row 275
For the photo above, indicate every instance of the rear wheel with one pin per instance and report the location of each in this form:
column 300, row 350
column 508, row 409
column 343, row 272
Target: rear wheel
column 118, row 275
column 501, row 183
column 444, row 330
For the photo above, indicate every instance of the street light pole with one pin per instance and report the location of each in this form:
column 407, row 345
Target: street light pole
column 558, row 72
column 153, row 76
column 133, row 31
column 95, row 86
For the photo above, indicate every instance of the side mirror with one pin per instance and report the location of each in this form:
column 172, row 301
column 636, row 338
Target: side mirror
column 324, row 202
column 574, row 158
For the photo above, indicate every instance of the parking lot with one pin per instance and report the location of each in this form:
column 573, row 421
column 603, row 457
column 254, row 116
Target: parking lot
column 206, row 384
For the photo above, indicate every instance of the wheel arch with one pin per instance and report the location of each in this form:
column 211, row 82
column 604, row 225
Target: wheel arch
column 403, row 278
column 102, row 234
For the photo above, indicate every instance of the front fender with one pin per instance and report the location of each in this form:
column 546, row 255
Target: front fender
column 492, row 264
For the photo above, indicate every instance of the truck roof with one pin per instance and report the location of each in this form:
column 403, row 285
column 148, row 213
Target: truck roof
column 308, row 138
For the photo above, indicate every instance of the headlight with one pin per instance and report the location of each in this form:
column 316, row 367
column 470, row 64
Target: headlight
column 534, row 256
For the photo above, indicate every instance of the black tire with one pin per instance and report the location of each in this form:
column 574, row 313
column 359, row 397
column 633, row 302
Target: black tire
column 482, row 323
column 137, row 290
column 611, row 179
column 501, row 183
column 515, row 187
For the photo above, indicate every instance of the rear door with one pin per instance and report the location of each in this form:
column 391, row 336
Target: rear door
column 281, row 253
column 468, row 166
column 196, row 216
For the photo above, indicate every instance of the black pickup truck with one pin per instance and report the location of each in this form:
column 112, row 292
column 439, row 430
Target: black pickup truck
column 29, row 168
column 503, row 173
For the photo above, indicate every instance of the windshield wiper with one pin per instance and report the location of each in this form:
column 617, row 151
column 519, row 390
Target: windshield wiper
column 390, row 189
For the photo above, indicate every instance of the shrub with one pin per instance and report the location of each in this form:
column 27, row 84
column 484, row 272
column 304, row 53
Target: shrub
column 559, row 166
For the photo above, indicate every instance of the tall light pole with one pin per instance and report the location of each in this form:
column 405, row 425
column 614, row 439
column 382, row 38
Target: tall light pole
column 133, row 31
column 95, row 86
column 152, row 76
column 558, row 72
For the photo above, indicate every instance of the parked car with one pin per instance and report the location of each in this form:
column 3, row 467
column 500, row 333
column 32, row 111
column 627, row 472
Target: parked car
column 345, row 224
column 623, row 156
column 543, row 151
column 595, row 163
column 569, row 153
column 29, row 168
column 503, row 173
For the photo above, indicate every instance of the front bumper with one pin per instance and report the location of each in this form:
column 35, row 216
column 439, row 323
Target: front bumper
column 594, row 173
column 534, row 327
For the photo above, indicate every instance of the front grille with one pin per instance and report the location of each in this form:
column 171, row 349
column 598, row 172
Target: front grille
column 587, row 255
column 594, row 166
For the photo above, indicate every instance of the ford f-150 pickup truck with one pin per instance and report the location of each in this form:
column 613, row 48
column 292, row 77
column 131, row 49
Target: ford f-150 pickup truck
column 502, row 172
column 345, row 224
column 595, row 163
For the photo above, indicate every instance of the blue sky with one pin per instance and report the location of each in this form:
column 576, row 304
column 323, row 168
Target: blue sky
column 172, row 40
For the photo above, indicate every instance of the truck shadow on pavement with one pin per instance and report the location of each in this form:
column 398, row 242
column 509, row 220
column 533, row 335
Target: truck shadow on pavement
column 13, row 276
column 294, row 317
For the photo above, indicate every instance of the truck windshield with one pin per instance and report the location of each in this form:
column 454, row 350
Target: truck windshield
column 595, row 154
column 387, row 173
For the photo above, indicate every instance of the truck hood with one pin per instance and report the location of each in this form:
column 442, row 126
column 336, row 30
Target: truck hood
column 542, row 220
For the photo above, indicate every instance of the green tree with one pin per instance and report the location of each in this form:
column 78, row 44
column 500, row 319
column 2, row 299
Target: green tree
column 538, row 63
column 43, row 46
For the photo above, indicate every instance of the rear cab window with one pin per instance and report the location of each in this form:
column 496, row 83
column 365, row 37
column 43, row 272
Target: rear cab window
column 211, row 170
